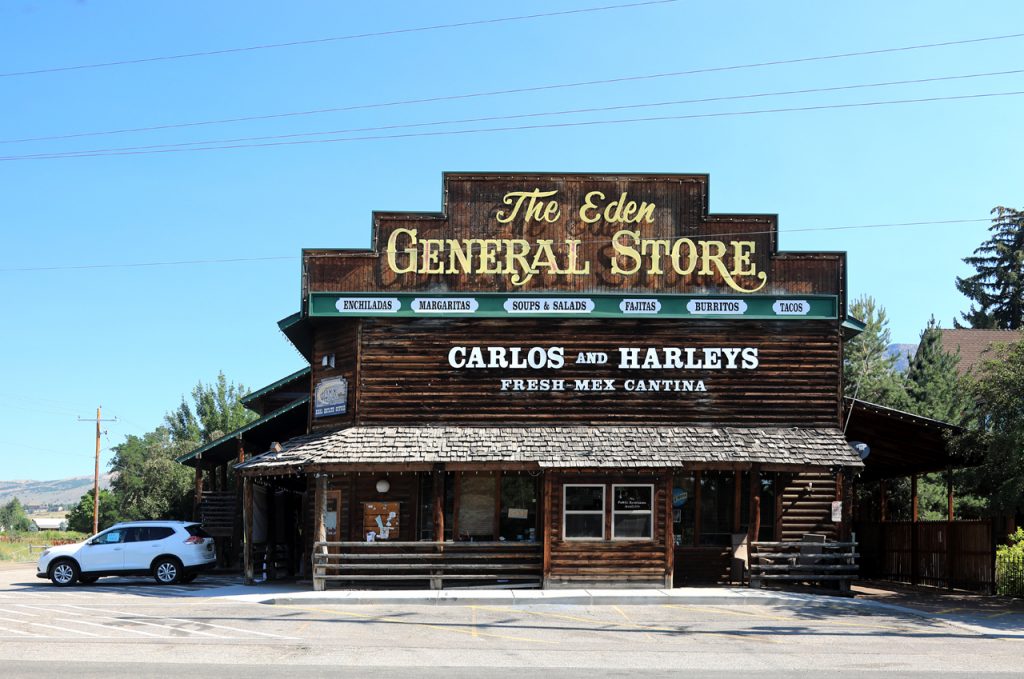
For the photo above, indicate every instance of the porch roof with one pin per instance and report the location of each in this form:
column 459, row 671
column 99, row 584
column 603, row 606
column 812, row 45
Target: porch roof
column 555, row 447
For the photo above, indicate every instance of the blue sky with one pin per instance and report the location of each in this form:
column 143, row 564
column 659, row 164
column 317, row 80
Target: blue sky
column 134, row 339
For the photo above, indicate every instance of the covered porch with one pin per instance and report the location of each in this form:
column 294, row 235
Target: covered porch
column 551, row 506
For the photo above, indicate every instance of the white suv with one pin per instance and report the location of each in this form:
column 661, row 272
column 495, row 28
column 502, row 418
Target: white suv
column 170, row 551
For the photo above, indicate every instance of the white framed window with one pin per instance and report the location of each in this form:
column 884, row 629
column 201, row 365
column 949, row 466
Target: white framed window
column 633, row 511
column 583, row 511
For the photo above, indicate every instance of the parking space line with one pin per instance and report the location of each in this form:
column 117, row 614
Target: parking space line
column 15, row 631
column 110, row 627
column 62, row 629
column 194, row 622
column 7, row 610
column 399, row 621
column 627, row 619
column 151, row 624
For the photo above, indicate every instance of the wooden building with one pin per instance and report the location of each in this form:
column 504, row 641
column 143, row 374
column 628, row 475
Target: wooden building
column 557, row 380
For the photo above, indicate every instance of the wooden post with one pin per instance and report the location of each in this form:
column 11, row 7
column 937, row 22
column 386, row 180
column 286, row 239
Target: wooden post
column 754, row 522
column 547, row 525
column 696, row 508
column 271, row 544
column 197, row 501
column 949, row 494
column 319, row 529
column 438, row 502
column 224, row 476
column 247, row 552
column 913, row 496
column 915, row 570
column 236, row 524
column 841, row 533
column 670, row 543
column 882, row 501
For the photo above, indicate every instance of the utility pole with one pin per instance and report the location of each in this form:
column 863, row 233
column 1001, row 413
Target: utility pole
column 96, row 473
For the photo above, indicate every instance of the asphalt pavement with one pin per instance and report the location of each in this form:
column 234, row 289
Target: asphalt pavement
column 122, row 627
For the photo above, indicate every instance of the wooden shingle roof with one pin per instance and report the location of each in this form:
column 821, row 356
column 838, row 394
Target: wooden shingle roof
column 558, row 447
column 975, row 346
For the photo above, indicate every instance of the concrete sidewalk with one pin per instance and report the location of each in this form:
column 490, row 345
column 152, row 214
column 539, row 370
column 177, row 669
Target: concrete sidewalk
column 703, row 596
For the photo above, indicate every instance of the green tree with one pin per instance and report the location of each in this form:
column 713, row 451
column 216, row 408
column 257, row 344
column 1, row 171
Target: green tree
column 998, row 285
column 996, row 429
column 80, row 516
column 13, row 516
column 149, row 484
column 935, row 388
column 216, row 410
column 869, row 373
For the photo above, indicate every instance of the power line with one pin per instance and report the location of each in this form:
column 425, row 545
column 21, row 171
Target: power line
column 318, row 41
column 520, row 90
column 519, row 116
column 263, row 259
column 514, row 128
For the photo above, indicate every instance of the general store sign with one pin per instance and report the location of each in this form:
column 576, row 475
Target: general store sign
column 630, row 250
column 495, row 305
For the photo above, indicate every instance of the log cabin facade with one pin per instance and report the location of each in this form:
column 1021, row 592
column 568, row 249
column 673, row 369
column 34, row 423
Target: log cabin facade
column 557, row 380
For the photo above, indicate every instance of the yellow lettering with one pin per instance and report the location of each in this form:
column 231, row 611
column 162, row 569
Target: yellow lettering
column 409, row 250
column 546, row 211
column 430, row 259
column 655, row 248
column 625, row 251
column 589, row 204
column 516, row 251
column 691, row 256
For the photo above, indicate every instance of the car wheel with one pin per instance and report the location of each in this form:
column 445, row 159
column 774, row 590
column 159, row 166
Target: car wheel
column 189, row 578
column 64, row 573
column 167, row 570
column 88, row 579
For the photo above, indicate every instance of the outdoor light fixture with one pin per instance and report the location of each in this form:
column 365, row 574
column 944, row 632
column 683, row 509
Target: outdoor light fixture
column 862, row 449
column 383, row 486
column 328, row 360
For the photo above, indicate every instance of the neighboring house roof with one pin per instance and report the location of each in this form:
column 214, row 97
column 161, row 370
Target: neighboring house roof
column 555, row 447
column 48, row 524
column 975, row 346
column 271, row 424
column 279, row 393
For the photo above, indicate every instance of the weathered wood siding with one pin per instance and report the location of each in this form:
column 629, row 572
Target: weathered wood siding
column 607, row 563
column 359, row 488
column 806, row 505
column 405, row 378
column 340, row 338
column 472, row 203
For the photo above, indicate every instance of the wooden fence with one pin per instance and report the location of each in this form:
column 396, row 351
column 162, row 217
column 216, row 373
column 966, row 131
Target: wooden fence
column 950, row 554
column 490, row 564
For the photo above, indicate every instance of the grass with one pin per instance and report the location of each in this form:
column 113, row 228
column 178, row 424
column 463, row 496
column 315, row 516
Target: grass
column 26, row 546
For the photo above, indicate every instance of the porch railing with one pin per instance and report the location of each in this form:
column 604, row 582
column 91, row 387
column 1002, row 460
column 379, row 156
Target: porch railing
column 466, row 564
column 805, row 561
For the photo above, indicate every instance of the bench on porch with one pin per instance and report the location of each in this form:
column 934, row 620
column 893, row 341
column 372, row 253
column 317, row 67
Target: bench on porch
column 809, row 561
column 467, row 564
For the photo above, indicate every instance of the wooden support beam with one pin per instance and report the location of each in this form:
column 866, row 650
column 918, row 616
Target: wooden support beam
column 224, row 476
column 754, row 488
column 247, row 514
column 438, row 492
column 949, row 494
column 913, row 497
column 882, row 501
column 198, row 497
column 696, row 507
column 320, row 527
column 670, row 542
column 548, row 523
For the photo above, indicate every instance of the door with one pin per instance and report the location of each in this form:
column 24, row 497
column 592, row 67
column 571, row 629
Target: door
column 105, row 552
column 332, row 520
column 143, row 544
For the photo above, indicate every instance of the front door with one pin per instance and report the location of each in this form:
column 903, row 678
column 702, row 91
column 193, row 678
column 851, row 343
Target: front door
column 105, row 552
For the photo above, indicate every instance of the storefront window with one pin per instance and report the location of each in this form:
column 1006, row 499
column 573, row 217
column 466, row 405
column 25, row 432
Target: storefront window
column 632, row 512
column 683, row 514
column 583, row 512
column 478, row 494
column 518, row 507
column 717, row 497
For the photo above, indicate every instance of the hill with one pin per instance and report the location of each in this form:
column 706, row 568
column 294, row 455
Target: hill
column 60, row 491
column 903, row 354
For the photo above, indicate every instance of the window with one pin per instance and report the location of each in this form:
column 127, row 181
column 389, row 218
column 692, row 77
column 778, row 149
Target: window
column 583, row 512
column 111, row 537
column 195, row 530
column 633, row 512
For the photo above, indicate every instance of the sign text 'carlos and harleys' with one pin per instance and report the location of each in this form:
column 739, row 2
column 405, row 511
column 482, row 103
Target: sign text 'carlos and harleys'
column 631, row 253
column 627, row 358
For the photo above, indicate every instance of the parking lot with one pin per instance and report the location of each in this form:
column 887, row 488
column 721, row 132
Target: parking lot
column 215, row 626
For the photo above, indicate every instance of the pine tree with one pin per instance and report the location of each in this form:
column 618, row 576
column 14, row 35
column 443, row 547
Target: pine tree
column 933, row 384
column 869, row 373
column 998, row 285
